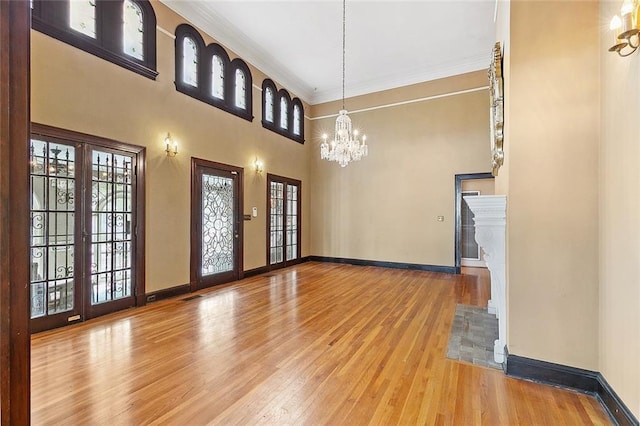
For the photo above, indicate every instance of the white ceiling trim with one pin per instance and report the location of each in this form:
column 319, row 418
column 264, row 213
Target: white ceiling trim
column 410, row 101
column 403, row 78
column 165, row 32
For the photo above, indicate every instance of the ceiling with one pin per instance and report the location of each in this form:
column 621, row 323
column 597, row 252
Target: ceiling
column 389, row 43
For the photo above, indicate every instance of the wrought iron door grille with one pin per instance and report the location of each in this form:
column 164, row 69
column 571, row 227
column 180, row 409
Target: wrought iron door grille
column 52, row 205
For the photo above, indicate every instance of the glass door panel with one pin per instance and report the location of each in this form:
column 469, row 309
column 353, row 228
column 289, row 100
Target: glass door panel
column 111, row 227
column 217, row 225
column 292, row 222
column 276, row 222
column 52, row 233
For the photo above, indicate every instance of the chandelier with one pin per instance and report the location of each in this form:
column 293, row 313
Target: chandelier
column 626, row 30
column 345, row 145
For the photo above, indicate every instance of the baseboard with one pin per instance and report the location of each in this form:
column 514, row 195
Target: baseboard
column 256, row 271
column 266, row 268
column 167, row 293
column 383, row 264
column 586, row 381
column 612, row 403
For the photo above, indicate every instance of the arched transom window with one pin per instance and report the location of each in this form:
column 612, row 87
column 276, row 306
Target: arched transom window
column 217, row 77
column 133, row 30
column 120, row 31
column 189, row 62
column 205, row 72
column 281, row 113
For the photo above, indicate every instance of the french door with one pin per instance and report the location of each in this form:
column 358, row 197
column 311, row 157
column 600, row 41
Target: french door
column 216, row 223
column 84, row 209
column 283, row 223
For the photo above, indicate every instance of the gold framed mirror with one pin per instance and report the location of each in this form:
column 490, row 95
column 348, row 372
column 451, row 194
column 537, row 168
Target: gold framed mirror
column 496, row 113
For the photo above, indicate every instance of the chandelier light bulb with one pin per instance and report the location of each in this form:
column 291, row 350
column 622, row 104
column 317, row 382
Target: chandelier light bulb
column 615, row 23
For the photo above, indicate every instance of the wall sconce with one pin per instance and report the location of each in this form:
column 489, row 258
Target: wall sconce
column 625, row 29
column 171, row 146
column 259, row 166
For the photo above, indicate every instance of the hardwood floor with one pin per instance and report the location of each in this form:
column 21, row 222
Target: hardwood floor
column 317, row 343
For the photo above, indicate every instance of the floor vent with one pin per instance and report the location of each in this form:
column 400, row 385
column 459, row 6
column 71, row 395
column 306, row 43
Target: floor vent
column 196, row 296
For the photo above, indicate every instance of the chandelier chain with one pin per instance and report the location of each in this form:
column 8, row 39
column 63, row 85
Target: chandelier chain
column 344, row 44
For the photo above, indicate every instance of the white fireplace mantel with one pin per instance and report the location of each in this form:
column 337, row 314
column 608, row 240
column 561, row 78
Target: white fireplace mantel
column 490, row 213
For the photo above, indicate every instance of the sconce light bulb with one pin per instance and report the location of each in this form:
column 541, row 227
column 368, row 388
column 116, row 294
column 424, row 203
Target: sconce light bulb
column 324, row 136
column 259, row 165
column 171, row 146
column 616, row 23
column 355, row 133
column 364, row 138
column 627, row 8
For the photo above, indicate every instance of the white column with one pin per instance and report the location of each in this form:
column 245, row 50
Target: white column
column 490, row 213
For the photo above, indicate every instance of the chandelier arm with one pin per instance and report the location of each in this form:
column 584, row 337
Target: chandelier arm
column 633, row 49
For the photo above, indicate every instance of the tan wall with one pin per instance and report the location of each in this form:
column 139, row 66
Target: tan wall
column 77, row 91
column 501, row 183
column 619, row 220
column 553, row 180
column 385, row 207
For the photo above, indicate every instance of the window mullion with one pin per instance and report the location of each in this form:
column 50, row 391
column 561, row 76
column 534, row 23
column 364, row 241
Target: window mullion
column 109, row 25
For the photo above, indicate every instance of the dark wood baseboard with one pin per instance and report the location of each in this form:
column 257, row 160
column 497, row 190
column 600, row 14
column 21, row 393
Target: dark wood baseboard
column 267, row 268
column 167, row 293
column 383, row 264
column 586, row 381
column 614, row 406
column 256, row 271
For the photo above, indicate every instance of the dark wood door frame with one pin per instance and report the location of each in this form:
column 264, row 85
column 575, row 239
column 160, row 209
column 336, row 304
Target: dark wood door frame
column 458, row 201
column 15, row 349
column 196, row 164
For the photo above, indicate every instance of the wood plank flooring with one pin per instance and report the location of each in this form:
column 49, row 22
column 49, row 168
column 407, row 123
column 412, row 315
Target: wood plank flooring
column 314, row 344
